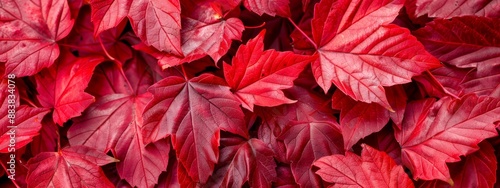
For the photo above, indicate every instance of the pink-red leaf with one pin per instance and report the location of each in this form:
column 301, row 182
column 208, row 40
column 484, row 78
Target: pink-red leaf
column 450, row 9
column 192, row 112
column 107, row 14
column 257, row 77
column 29, row 31
column 158, row 24
column 62, row 86
column 360, row 53
column 27, row 121
column 270, row 7
column 253, row 162
column 373, row 169
column 76, row 166
column 434, row 133
column 462, row 41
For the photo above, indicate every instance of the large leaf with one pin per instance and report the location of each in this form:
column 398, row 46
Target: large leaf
column 62, row 86
column 114, row 122
column 434, row 133
column 158, row 24
column 192, row 112
column 76, row 166
column 462, row 41
column 29, row 31
column 257, row 77
column 360, row 53
column 373, row 169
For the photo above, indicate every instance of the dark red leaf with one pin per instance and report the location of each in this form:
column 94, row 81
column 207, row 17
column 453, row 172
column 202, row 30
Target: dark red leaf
column 257, row 77
column 372, row 169
column 361, row 61
column 449, row 9
column 270, row 7
column 30, row 30
column 434, row 133
column 462, row 41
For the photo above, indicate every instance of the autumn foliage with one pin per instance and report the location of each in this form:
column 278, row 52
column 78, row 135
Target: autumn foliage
column 249, row 93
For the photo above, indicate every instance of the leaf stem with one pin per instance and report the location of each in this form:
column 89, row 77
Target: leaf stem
column 184, row 72
column 303, row 33
column 105, row 51
column 256, row 27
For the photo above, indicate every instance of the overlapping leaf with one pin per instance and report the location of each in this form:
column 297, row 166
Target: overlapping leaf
column 372, row 169
column 114, row 122
column 257, row 77
column 62, row 86
column 449, row 9
column 434, row 133
column 360, row 53
column 192, row 112
column 270, row 7
column 71, row 167
column 462, row 41
column 29, row 31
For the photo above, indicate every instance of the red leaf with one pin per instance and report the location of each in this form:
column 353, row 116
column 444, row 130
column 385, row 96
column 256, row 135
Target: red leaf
column 192, row 112
column 476, row 170
column 449, row 9
column 358, row 119
column 270, row 7
column 257, row 77
column 107, row 14
column 158, row 24
column 434, row 133
column 48, row 138
column 29, row 33
column 481, row 80
column 114, row 122
column 76, row 166
column 372, row 169
column 28, row 121
column 253, row 162
column 62, row 86
column 360, row 53
column 307, row 142
column 462, row 41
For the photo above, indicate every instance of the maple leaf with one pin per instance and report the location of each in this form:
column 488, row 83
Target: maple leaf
column 192, row 112
column 449, row 9
column 462, row 41
column 29, row 32
column 373, row 169
column 360, row 53
column 476, row 170
column 62, row 86
column 252, row 161
column 270, row 7
column 114, row 122
column 76, row 166
column 158, row 24
column 205, row 31
column 434, row 133
column 257, row 77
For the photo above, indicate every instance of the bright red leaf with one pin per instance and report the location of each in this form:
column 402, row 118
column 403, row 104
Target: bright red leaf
column 62, row 86
column 372, row 169
column 192, row 112
column 462, row 41
column 71, row 167
column 29, row 32
column 257, row 77
column 434, row 133
column 360, row 53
